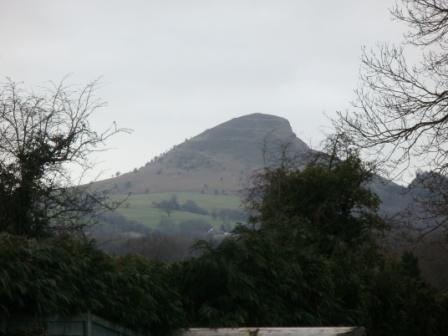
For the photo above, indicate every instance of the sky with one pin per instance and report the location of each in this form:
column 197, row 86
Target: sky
column 170, row 69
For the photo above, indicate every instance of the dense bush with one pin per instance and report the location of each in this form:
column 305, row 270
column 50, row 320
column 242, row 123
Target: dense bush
column 64, row 277
column 173, row 204
column 155, row 246
column 310, row 258
column 193, row 207
column 399, row 303
column 313, row 259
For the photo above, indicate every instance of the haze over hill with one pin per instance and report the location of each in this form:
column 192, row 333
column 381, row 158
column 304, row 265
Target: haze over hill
column 219, row 160
column 208, row 172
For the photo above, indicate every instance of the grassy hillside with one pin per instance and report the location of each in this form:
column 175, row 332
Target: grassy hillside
column 210, row 169
column 140, row 207
column 213, row 168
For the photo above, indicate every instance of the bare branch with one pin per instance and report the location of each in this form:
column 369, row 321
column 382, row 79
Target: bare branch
column 39, row 135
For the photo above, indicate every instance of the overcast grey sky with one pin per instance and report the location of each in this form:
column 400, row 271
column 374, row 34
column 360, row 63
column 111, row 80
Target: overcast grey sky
column 172, row 69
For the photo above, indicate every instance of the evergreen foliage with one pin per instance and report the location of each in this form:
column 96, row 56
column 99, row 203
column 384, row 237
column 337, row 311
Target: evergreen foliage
column 63, row 277
column 311, row 258
column 40, row 134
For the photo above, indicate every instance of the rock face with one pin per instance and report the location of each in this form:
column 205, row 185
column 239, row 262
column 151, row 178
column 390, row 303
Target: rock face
column 246, row 138
column 219, row 160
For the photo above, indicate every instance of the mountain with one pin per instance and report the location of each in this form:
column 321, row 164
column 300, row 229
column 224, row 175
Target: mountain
column 219, row 161
column 202, row 179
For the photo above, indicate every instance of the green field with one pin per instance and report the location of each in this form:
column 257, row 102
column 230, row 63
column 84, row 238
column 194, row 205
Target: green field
column 140, row 207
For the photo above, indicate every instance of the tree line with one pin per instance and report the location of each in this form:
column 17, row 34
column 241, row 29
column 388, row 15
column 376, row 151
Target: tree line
column 308, row 261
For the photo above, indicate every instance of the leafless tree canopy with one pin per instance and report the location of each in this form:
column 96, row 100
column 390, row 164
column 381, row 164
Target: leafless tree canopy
column 401, row 108
column 427, row 18
column 39, row 135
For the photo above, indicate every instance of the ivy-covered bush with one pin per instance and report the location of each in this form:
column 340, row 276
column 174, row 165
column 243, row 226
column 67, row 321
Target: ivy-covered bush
column 63, row 276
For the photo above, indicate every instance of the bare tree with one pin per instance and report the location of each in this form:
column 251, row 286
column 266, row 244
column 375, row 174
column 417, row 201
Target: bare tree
column 427, row 18
column 401, row 110
column 40, row 134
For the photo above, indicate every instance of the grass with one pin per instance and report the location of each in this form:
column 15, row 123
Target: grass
column 140, row 208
